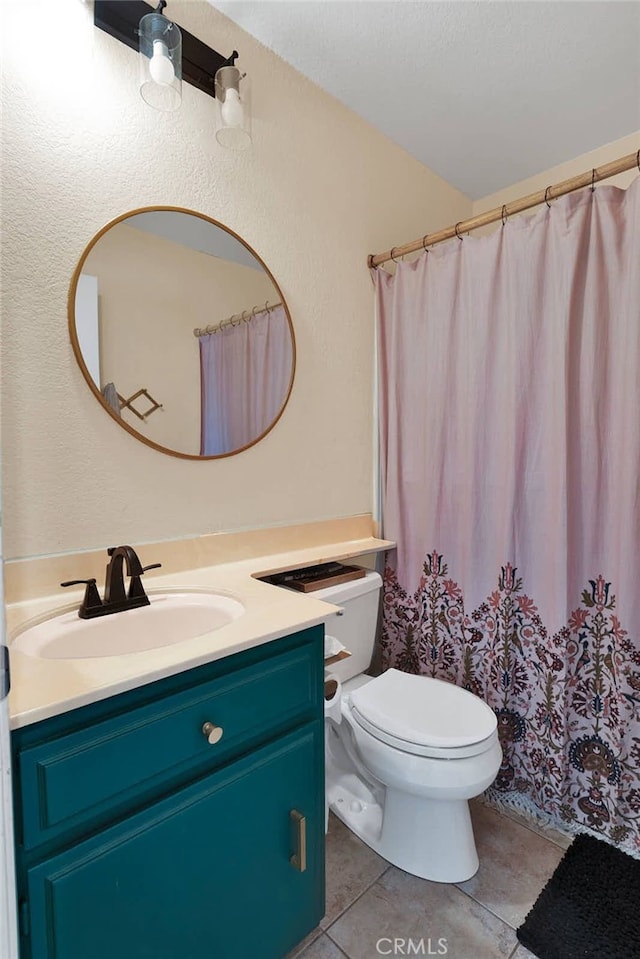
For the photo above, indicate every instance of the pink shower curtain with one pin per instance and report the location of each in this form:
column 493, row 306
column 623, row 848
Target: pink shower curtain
column 245, row 376
column 510, row 463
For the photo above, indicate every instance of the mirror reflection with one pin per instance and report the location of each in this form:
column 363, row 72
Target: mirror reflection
column 182, row 333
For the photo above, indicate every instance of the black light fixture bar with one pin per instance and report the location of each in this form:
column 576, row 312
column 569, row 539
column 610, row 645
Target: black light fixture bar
column 120, row 19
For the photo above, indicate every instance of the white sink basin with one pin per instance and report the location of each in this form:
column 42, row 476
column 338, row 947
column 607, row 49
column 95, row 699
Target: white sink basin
column 171, row 617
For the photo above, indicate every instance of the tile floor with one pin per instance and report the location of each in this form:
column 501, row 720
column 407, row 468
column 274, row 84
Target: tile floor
column 368, row 900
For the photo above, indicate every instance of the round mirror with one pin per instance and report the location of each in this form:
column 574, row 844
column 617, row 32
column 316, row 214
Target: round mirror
column 182, row 333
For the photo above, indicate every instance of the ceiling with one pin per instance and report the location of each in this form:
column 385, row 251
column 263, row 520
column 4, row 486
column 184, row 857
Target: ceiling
column 195, row 232
column 484, row 93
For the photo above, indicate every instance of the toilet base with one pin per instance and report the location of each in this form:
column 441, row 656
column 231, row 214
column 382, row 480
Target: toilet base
column 362, row 817
column 439, row 845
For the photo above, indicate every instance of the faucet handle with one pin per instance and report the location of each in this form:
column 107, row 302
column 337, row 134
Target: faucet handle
column 91, row 599
column 79, row 582
column 136, row 589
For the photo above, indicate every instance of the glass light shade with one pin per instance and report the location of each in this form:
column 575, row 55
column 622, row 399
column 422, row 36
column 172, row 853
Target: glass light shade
column 160, row 62
column 233, row 109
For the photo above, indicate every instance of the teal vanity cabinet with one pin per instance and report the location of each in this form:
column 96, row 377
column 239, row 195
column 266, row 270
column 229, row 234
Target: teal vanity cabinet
column 181, row 820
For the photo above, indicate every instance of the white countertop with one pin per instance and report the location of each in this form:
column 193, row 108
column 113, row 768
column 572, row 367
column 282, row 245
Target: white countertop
column 41, row 688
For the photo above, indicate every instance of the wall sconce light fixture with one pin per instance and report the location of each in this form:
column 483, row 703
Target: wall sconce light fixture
column 160, row 60
column 169, row 55
column 233, row 96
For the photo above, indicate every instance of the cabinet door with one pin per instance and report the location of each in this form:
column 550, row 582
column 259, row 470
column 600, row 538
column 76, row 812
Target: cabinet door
column 203, row 875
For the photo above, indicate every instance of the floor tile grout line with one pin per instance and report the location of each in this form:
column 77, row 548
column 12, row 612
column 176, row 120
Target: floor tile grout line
column 500, row 812
column 487, row 908
column 357, row 898
column 299, row 954
column 537, row 832
column 529, row 826
column 463, row 891
column 468, row 895
column 346, row 954
column 338, row 946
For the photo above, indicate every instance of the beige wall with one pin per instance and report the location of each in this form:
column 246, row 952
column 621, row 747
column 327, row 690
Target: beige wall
column 581, row 164
column 319, row 191
column 152, row 294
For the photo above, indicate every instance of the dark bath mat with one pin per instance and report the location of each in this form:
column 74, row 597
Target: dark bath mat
column 590, row 908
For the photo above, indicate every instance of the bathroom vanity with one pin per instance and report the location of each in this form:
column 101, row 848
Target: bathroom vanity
column 169, row 798
column 183, row 818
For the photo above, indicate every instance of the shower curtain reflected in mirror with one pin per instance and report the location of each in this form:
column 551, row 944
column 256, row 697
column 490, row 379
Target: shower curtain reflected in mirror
column 510, row 462
column 245, row 378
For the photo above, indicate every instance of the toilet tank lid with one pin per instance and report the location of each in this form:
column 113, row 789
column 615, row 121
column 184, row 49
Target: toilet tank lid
column 343, row 592
column 424, row 711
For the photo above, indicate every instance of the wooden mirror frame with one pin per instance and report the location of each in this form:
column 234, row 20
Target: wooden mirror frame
column 71, row 304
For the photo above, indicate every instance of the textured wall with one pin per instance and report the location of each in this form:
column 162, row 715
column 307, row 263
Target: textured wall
column 319, row 191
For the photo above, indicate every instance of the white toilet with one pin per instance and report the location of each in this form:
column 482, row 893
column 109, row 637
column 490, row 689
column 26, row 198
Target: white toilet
column 404, row 753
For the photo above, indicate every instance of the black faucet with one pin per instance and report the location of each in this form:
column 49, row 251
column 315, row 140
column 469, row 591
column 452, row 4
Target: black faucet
column 116, row 599
column 114, row 590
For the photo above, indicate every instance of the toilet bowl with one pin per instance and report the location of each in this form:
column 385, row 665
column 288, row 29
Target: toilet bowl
column 404, row 754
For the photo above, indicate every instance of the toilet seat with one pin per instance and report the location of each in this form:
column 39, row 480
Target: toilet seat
column 417, row 749
column 424, row 716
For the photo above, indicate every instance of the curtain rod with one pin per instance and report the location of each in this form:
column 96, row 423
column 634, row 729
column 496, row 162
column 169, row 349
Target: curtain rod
column 508, row 209
column 239, row 318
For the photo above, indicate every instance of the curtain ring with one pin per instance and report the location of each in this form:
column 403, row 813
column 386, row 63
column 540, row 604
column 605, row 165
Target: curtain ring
column 254, row 311
column 370, row 263
column 593, row 180
column 545, row 197
column 424, row 243
column 392, row 256
column 638, row 159
column 456, row 229
column 242, row 318
column 504, row 214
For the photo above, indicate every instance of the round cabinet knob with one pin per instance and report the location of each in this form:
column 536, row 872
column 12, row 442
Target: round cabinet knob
column 213, row 733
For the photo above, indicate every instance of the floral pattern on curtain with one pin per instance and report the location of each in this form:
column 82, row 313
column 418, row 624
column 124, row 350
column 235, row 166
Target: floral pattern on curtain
column 509, row 372
column 564, row 703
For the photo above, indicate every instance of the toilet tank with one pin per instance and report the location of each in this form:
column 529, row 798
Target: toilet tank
column 355, row 628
